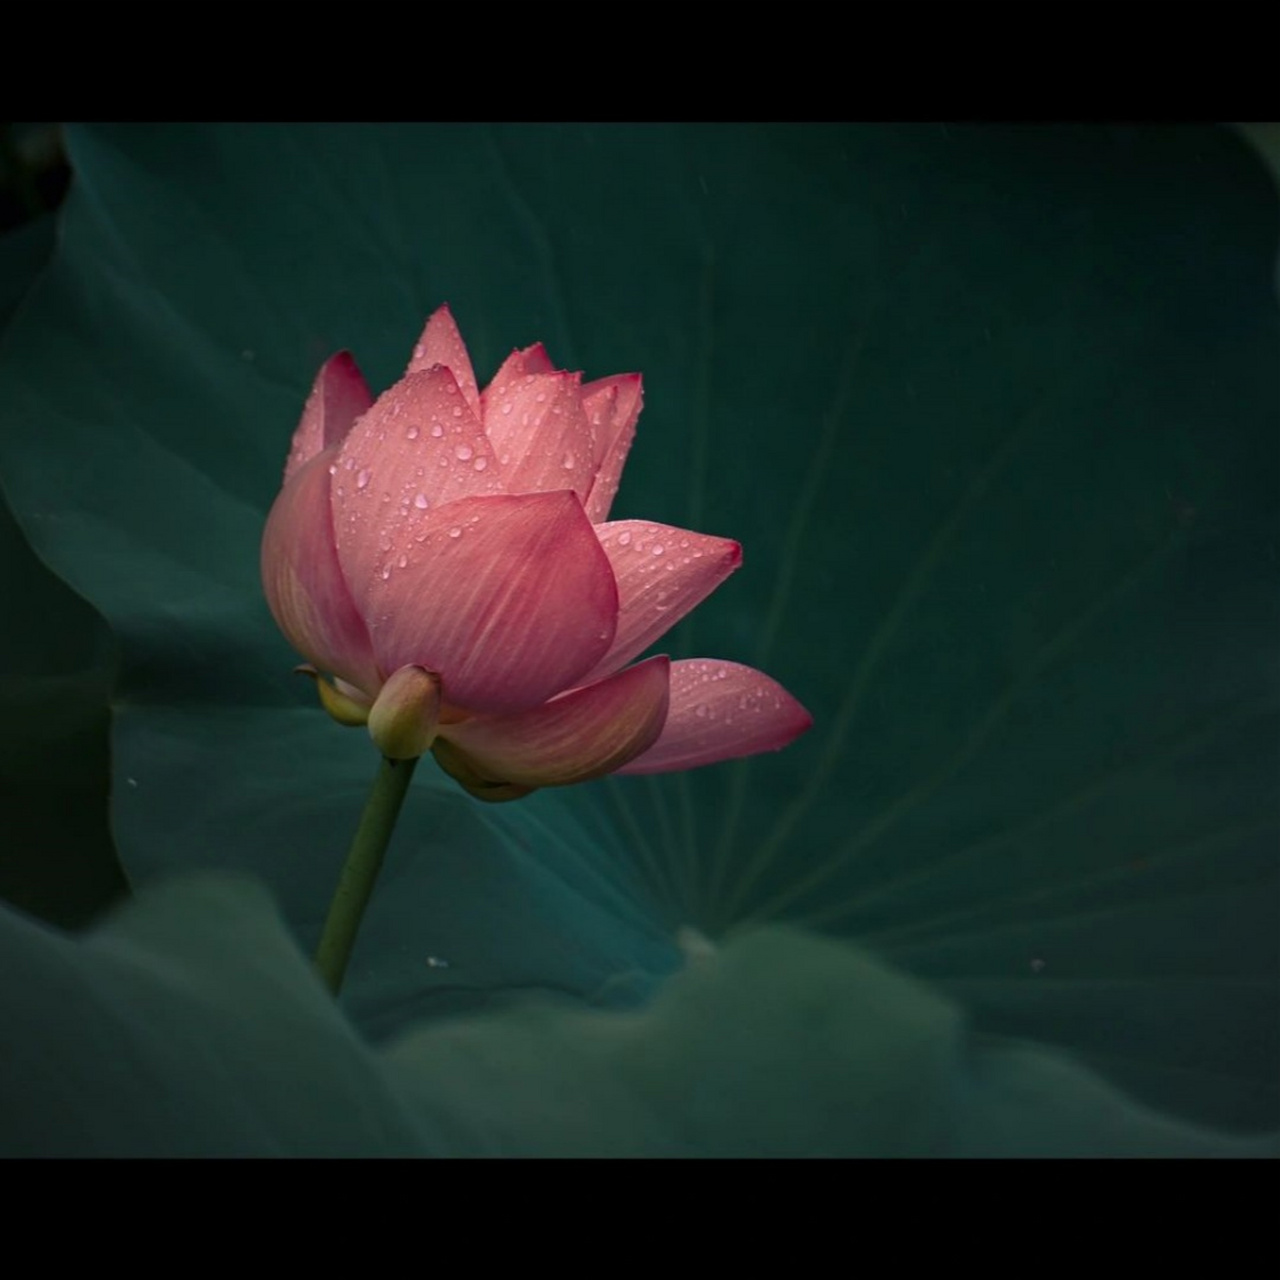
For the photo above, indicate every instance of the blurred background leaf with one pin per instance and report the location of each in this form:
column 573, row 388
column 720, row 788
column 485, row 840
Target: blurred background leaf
column 993, row 412
column 191, row 1025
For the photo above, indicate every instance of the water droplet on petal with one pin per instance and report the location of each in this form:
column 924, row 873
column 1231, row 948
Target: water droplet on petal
column 540, row 397
column 457, row 411
column 463, row 452
column 404, row 560
column 412, row 433
column 624, row 538
column 333, row 468
column 437, row 430
column 386, row 572
column 568, row 462
column 506, row 408
column 455, row 532
column 701, row 710
column 451, row 388
column 421, row 502
column 362, row 479
column 481, row 463
column 657, row 549
column 384, row 543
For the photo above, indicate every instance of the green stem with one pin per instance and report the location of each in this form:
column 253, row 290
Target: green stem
column 364, row 861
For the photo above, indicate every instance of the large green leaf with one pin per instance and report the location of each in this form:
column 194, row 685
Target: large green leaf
column 191, row 1025
column 994, row 414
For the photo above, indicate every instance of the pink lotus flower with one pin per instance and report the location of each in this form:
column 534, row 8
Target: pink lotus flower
column 445, row 553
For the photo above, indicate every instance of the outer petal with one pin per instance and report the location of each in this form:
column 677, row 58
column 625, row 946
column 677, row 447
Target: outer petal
column 419, row 446
column 510, row 598
column 629, row 399
column 662, row 573
column 303, row 581
column 580, row 735
column 441, row 343
column 338, row 397
column 719, row 711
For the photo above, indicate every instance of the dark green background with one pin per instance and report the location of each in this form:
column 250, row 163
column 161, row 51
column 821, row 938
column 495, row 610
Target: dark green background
column 994, row 414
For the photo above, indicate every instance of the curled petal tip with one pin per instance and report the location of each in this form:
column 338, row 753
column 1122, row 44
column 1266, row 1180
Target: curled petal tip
column 348, row 710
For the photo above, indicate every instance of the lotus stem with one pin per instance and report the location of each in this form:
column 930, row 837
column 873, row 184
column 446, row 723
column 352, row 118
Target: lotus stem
column 360, row 870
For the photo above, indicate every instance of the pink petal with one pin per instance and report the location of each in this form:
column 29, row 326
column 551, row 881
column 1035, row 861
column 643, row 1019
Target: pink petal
column 515, row 368
column 601, row 407
column 719, row 711
column 542, row 436
column 580, row 735
column 441, row 343
column 418, row 448
column 662, row 573
column 510, row 598
column 628, row 389
column 338, row 397
column 303, row 581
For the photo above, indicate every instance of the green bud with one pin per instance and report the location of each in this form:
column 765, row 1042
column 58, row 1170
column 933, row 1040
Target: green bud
column 406, row 713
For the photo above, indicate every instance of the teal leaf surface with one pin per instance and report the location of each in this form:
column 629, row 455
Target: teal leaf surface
column 994, row 415
column 191, row 1025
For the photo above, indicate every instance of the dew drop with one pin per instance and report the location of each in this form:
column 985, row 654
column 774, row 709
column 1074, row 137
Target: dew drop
column 624, row 538
column 568, row 462
column 657, row 549
column 421, row 502
column 462, row 452
column 403, row 561
column 384, row 543
column 386, row 572
column 541, row 397
column 480, row 463
column 362, row 480
column 506, row 408
column 702, row 711
column 333, row 468
column 455, row 532
column 437, row 430
column 412, row 433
